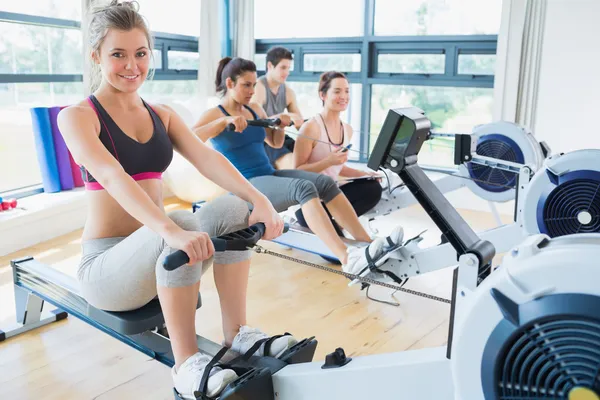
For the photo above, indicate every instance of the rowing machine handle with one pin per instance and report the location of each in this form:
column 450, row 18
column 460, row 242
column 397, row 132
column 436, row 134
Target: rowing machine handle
column 265, row 123
column 235, row 241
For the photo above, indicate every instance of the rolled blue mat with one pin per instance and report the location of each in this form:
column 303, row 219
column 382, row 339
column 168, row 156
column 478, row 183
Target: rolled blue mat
column 62, row 153
column 44, row 145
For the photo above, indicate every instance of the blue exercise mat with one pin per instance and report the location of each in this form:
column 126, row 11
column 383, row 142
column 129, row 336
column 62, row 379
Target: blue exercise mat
column 44, row 145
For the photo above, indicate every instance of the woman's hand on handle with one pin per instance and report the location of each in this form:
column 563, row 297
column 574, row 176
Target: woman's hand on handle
column 238, row 121
column 197, row 245
column 265, row 213
column 285, row 121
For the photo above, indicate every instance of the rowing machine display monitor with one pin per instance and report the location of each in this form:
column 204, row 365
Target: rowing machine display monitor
column 397, row 147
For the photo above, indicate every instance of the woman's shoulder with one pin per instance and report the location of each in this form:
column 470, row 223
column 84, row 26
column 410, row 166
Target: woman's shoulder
column 311, row 128
column 78, row 112
column 77, row 118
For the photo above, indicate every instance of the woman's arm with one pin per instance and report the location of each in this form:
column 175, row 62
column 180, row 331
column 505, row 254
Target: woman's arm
column 213, row 122
column 209, row 162
column 304, row 147
column 275, row 137
column 79, row 127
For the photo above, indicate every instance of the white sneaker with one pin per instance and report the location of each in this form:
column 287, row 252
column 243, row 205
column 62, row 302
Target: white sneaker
column 189, row 375
column 357, row 259
column 247, row 336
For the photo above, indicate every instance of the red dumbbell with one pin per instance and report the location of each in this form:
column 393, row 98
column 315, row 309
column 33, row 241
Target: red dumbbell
column 8, row 204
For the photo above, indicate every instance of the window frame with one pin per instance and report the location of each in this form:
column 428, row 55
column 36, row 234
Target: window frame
column 370, row 46
column 162, row 41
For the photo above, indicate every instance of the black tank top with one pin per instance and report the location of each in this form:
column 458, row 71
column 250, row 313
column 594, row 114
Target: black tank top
column 140, row 160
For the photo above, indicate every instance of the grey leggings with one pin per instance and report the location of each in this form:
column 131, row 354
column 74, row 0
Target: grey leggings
column 290, row 187
column 121, row 273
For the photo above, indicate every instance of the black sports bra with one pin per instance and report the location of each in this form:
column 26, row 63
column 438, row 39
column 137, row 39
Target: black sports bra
column 140, row 160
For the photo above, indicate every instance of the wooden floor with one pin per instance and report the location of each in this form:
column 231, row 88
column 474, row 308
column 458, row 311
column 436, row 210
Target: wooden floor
column 71, row 360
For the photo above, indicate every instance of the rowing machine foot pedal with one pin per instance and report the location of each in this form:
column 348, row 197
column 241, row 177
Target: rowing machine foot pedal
column 336, row 359
column 301, row 352
column 255, row 384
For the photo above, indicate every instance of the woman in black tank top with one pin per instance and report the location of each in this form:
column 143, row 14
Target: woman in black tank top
column 122, row 145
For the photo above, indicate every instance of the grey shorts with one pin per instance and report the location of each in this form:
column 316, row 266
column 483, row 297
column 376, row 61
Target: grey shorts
column 122, row 273
column 290, row 187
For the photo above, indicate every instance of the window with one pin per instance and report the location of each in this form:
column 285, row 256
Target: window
column 169, row 91
column 157, row 59
column 17, row 146
column 183, row 60
column 450, row 110
column 437, row 17
column 174, row 16
column 275, row 19
column 63, row 9
column 476, row 64
column 327, row 62
column 310, row 105
column 411, row 63
column 261, row 61
column 29, row 49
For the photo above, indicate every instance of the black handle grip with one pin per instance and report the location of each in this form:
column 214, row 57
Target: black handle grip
column 264, row 123
column 235, row 241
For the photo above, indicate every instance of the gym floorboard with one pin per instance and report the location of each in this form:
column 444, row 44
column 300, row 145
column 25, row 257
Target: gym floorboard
column 71, row 360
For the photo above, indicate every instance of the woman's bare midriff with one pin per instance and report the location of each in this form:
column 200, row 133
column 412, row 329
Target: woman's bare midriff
column 106, row 218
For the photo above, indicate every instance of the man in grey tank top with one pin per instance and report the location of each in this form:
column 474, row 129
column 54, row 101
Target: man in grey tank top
column 276, row 97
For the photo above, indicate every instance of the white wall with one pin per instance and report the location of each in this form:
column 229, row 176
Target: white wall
column 569, row 92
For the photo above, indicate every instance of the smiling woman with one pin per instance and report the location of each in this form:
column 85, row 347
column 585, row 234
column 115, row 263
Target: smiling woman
column 123, row 145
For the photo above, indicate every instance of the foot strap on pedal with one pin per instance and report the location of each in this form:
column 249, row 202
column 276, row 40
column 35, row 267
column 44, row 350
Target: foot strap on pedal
column 202, row 390
column 266, row 341
column 371, row 265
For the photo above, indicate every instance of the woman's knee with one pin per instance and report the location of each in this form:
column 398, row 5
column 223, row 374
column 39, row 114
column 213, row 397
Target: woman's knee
column 305, row 191
column 374, row 192
column 327, row 188
column 186, row 275
column 223, row 215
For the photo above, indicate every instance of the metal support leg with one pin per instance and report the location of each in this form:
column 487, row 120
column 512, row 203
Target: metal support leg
column 29, row 313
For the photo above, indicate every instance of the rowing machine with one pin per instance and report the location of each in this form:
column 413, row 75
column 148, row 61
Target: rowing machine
column 144, row 329
column 489, row 162
column 531, row 329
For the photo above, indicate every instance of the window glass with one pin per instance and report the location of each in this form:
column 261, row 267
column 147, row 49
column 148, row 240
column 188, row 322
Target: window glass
column 329, row 62
column 183, row 60
column 29, row 49
column 63, row 9
column 174, row 16
column 437, row 17
column 411, row 63
column 450, row 110
column 476, row 64
column 166, row 91
column 277, row 19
